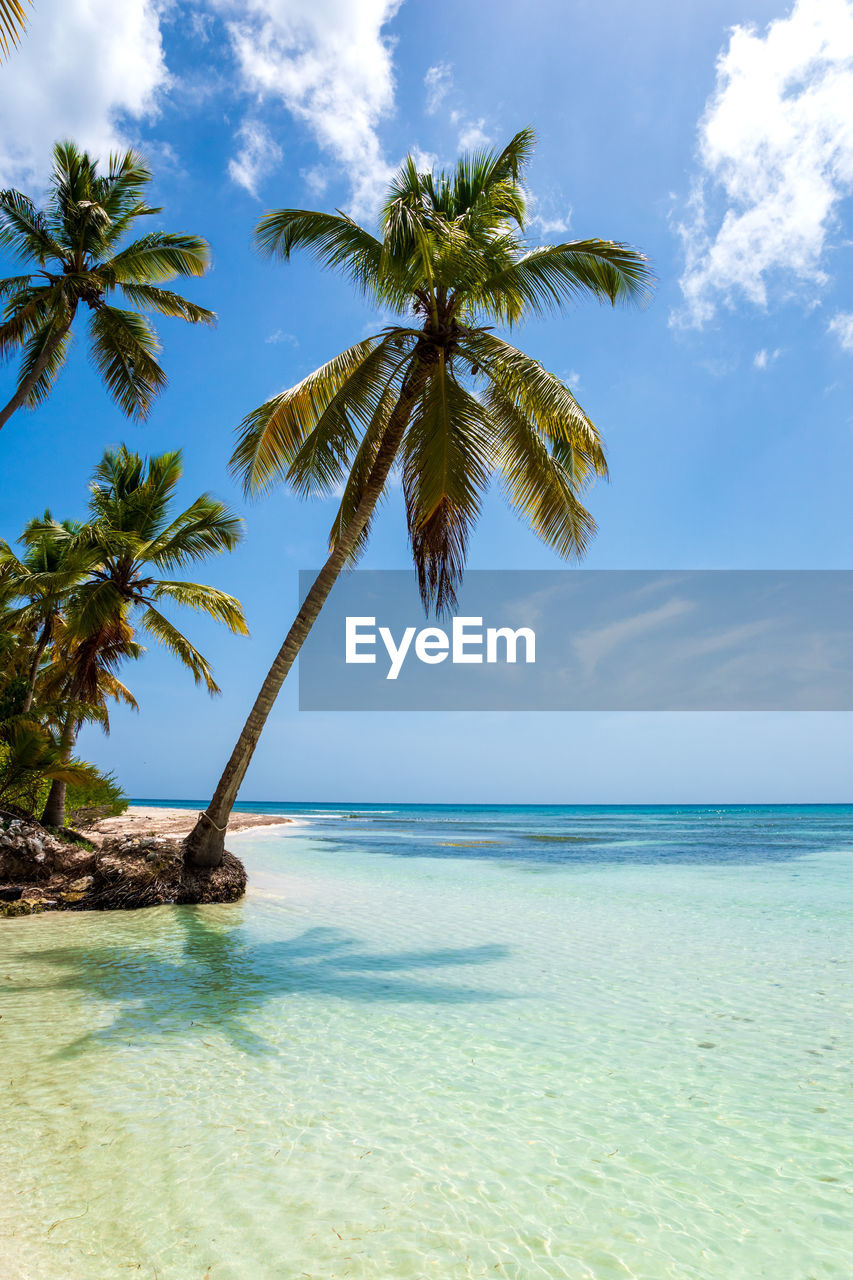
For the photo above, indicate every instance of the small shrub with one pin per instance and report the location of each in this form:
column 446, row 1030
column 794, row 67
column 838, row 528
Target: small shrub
column 101, row 797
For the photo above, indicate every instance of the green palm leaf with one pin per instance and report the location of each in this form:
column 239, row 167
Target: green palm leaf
column 334, row 239
column 271, row 436
column 158, row 258
column 166, row 303
column 447, row 462
column 41, row 361
column 176, row 642
column 124, row 347
column 538, row 486
column 546, row 279
column 224, row 608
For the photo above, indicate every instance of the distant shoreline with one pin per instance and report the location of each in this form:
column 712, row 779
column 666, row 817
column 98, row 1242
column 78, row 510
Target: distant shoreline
column 152, row 820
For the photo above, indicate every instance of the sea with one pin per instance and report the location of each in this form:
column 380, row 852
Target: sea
column 528, row 1042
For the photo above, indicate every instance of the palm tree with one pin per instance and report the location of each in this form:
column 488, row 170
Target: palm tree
column 53, row 562
column 13, row 20
column 440, row 393
column 73, row 248
column 81, row 681
column 134, row 537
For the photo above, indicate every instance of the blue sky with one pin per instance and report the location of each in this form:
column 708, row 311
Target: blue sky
column 716, row 136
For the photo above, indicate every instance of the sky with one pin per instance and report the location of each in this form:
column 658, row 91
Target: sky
column 715, row 136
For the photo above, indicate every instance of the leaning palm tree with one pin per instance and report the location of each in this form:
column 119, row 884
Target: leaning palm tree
column 13, row 20
column 440, row 393
column 77, row 256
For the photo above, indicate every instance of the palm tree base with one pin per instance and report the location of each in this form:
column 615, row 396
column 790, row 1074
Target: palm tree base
column 42, row 871
column 204, row 847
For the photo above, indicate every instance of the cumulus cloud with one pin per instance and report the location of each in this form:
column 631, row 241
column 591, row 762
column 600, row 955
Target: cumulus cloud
column 330, row 63
column 258, row 155
column 841, row 325
column 85, row 70
column 776, row 155
column 764, row 358
column 438, row 82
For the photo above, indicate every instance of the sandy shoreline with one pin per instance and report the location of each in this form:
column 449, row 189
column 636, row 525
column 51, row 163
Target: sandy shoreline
column 150, row 820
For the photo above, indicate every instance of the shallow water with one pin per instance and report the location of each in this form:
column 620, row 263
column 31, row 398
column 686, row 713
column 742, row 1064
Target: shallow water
column 622, row 1052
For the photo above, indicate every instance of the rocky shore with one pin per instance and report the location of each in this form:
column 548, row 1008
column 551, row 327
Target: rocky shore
column 122, row 863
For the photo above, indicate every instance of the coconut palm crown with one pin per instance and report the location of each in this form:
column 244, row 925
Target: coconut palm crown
column 452, row 262
column 136, row 539
column 77, row 255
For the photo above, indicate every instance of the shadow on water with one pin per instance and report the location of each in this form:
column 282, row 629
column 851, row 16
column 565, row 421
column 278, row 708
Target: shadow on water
column 219, row 978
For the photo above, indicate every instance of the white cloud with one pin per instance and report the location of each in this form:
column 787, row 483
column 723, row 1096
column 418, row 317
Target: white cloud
column 329, row 62
column 549, row 226
column 841, row 325
column 258, row 156
column 764, row 358
column 472, row 133
column 438, row 81
column 280, row 336
column 84, row 69
column 776, row 142
column 316, row 179
column 542, row 215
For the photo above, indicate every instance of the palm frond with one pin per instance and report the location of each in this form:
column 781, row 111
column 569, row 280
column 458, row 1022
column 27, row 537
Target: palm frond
column 168, row 635
column 157, row 258
column 538, row 486
column 447, row 461
column 30, row 310
column 224, row 608
column 166, row 303
column 323, row 460
column 333, row 239
column 493, row 177
column 24, row 230
column 270, row 437
column 124, row 347
column 49, row 343
column 13, row 21
column 543, row 398
column 206, row 528
column 547, row 278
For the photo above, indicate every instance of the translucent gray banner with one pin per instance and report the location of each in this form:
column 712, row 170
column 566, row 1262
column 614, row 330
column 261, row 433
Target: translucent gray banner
column 585, row 640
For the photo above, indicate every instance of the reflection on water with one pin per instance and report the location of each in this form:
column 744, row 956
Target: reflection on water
column 412, row 1068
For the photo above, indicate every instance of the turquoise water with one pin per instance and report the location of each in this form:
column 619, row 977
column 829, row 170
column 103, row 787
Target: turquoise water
column 586, row 1043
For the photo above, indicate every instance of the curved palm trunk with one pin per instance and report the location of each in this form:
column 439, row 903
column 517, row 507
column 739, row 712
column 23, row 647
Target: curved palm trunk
column 54, row 809
column 205, row 844
column 22, row 394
